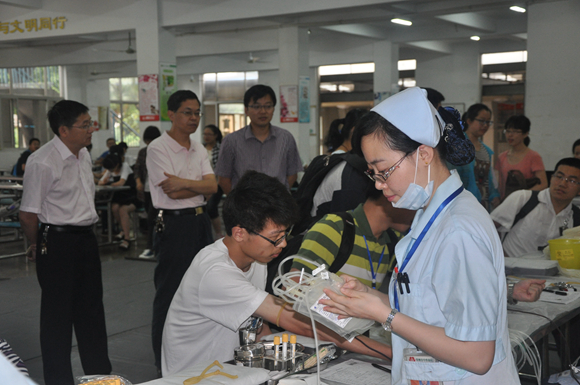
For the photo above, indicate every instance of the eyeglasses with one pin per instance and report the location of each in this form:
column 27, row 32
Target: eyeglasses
column 561, row 177
column 383, row 176
column 484, row 122
column 85, row 126
column 277, row 242
column 190, row 114
column 510, row 131
column 258, row 107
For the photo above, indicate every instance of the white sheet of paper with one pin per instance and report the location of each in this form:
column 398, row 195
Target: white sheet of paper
column 355, row 372
column 555, row 298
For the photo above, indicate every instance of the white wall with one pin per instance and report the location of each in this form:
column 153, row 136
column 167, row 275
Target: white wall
column 552, row 81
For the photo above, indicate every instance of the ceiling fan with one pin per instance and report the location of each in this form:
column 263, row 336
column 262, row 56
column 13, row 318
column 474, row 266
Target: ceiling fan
column 254, row 59
column 129, row 50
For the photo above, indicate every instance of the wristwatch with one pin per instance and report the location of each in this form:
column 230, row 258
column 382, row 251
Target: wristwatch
column 510, row 294
column 387, row 324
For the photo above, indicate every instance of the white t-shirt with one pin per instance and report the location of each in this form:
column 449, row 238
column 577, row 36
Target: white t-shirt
column 214, row 299
column 536, row 228
column 122, row 174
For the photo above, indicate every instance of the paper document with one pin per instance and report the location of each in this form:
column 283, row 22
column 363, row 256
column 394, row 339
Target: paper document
column 355, row 372
column 556, row 298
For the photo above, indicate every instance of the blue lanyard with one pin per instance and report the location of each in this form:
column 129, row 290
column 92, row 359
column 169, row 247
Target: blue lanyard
column 418, row 241
column 373, row 275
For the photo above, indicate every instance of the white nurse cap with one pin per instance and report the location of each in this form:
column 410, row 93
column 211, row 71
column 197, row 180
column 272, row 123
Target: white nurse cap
column 412, row 113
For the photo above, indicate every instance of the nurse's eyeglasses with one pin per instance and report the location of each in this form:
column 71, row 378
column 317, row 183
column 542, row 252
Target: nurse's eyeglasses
column 382, row 176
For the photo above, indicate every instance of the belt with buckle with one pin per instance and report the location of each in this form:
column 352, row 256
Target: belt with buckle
column 189, row 211
column 69, row 228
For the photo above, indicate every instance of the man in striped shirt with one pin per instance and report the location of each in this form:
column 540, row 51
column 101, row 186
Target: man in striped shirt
column 259, row 146
column 372, row 220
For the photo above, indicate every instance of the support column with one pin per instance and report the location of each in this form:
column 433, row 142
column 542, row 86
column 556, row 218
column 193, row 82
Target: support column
column 552, row 103
column 293, row 56
column 386, row 78
column 456, row 75
column 154, row 46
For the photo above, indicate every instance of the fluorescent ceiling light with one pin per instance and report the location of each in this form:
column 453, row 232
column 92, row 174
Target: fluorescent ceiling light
column 401, row 21
column 515, row 8
column 476, row 38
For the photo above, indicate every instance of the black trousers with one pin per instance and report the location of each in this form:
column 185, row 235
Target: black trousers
column 72, row 298
column 184, row 236
column 151, row 215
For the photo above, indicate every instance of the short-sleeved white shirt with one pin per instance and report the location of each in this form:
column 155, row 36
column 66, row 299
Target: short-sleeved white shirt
column 164, row 154
column 536, row 228
column 122, row 174
column 457, row 282
column 60, row 187
column 214, row 299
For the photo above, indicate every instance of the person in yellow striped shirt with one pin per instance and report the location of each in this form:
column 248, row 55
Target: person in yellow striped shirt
column 377, row 223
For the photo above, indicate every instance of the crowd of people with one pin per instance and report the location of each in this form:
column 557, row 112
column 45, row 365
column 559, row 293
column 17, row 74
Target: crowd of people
column 429, row 206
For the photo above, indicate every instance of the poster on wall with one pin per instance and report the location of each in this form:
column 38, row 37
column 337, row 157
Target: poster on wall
column 168, row 86
column 148, row 100
column 288, row 104
column 99, row 116
column 304, row 99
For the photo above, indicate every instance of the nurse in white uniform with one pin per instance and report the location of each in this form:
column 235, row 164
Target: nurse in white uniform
column 447, row 297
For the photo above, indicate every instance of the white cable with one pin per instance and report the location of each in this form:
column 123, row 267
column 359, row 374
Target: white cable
column 285, row 287
column 523, row 344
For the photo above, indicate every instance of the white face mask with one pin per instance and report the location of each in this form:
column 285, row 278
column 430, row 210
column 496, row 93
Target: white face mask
column 415, row 197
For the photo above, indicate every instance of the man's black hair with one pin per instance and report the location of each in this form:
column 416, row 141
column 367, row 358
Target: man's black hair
column 123, row 145
column 178, row 97
column 65, row 113
column 117, row 150
column 257, row 199
column 572, row 162
column 151, row 133
column 32, row 140
column 258, row 92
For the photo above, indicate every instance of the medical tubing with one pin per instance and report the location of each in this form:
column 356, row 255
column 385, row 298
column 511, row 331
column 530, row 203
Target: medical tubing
column 529, row 352
column 374, row 350
column 292, row 293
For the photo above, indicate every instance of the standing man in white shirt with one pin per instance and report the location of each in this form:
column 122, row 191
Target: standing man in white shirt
column 59, row 194
column 180, row 175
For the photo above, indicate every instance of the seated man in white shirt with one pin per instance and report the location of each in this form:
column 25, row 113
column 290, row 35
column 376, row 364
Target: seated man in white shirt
column 225, row 283
column 552, row 213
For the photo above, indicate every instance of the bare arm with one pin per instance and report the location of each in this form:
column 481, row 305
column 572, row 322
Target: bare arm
column 299, row 324
column 29, row 223
column 543, row 181
column 474, row 356
column 291, row 180
column 179, row 188
column 225, row 184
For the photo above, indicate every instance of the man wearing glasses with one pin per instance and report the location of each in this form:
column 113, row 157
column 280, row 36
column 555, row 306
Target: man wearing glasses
column 224, row 285
column 180, row 175
column 59, row 195
column 552, row 214
column 259, row 146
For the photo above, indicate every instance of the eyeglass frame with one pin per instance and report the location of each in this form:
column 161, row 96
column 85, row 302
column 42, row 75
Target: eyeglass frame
column 484, row 122
column 278, row 241
column 258, row 107
column 507, row 131
column 191, row 114
column 86, row 126
column 385, row 174
column 561, row 177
